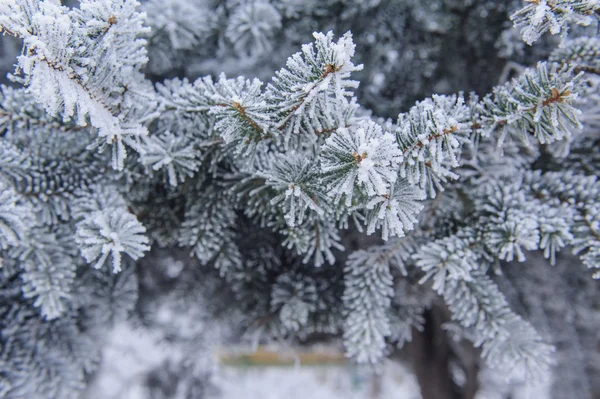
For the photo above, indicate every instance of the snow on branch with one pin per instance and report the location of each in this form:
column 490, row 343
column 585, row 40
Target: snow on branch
column 362, row 156
column 554, row 16
column 173, row 153
column 240, row 110
column 367, row 298
column 48, row 271
column 395, row 212
column 105, row 227
column 207, row 228
column 308, row 92
column 81, row 63
column 580, row 195
column 15, row 217
column 582, row 53
column 508, row 342
column 479, row 306
column 430, row 136
column 368, row 292
column 315, row 240
column 295, row 177
column 539, row 103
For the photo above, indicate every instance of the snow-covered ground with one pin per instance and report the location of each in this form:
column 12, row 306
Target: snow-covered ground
column 133, row 354
column 316, row 382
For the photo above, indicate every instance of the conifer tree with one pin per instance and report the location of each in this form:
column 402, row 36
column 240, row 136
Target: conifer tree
column 305, row 213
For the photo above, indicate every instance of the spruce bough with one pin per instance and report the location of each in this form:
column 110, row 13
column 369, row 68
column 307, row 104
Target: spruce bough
column 277, row 186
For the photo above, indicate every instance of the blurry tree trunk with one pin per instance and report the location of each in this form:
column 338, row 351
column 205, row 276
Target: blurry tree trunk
column 432, row 353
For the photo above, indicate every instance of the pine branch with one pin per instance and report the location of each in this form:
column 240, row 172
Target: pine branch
column 303, row 93
column 554, row 16
column 579, row 194
column 68, row 61
column 19, row 111
column 368, row 289
column 15, row 217
column 111, row 232
column 582, row 54
column 207, row 226
column 538, row 104
column 478, row 305
column 367, row 299
column 430, row 136
column 363, row 156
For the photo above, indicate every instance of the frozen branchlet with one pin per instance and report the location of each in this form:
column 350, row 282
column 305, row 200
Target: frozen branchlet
column 315, row 240
column 582, row 53
column 479, row 306
column 295, row 298
column 45, row 376
column 446, row 260
column 362, row 157
column 367, row 297
column 174, row 154
column 206, row 230
column 554, row 16
column 240, row 110
column 580, row 195
column 48, row 271
column 540, row 102
column 177, row 27
column 184, row 98
column 183, row 22
column 22, row 110
column 15, row 217
column 111, row 232
column 555, row 233
column 78, row 63
column 252, row 26
column 103, row 198
column 395, row 212
column 589, row 247
column 306, row 93
column 430, row 136
column 508, row 342
column 295, row 177
column 511, row 238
